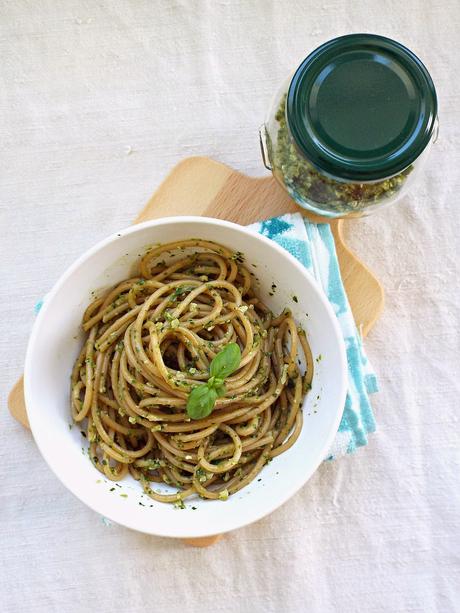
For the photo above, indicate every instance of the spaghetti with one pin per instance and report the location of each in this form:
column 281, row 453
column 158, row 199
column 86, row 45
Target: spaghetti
column 150, row 341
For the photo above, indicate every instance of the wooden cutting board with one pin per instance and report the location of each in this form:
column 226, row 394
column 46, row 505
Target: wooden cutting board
column 200, row 186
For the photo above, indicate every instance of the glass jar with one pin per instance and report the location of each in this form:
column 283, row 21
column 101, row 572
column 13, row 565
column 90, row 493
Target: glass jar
column 349, row 131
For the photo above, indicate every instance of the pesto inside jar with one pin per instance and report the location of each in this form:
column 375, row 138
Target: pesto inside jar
column 352, row 126
column 309, row 186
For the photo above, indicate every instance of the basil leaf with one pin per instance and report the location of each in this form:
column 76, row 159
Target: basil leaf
column 220, row 390
column 201, row 401
column 226, row 361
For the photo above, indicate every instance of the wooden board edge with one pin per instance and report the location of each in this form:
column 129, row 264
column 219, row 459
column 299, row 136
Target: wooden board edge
column 17, row 403
column 157, row 205
column 372, row 286
column 205, row 541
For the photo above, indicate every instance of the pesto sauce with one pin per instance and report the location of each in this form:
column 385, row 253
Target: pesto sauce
column 307, row 185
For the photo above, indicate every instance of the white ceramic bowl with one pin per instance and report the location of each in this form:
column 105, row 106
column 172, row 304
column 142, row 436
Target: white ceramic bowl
column 56, row 339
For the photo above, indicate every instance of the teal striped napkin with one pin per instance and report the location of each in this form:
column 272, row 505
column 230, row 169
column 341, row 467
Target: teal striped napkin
column 313, row 245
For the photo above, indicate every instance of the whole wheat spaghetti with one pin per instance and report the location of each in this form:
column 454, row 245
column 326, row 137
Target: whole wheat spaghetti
column 150, row 341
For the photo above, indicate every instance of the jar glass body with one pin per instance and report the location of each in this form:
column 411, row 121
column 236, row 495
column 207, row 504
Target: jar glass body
column 318, row 191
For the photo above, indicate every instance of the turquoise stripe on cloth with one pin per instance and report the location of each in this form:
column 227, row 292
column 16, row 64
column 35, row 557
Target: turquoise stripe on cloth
column 313, row 245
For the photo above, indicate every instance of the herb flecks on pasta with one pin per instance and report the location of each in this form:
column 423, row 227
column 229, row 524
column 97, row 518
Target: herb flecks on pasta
column 153, row 339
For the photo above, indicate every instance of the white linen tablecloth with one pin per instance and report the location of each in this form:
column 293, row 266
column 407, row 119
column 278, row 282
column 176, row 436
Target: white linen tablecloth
column 98, row 100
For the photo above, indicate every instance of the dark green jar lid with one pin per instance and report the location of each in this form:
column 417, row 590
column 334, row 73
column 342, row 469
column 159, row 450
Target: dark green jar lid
column 361, row 107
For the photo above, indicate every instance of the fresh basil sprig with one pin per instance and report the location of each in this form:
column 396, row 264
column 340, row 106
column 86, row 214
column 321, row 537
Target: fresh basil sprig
column 202, row 398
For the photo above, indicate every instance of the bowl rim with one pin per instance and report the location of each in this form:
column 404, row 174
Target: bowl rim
column 126, row 521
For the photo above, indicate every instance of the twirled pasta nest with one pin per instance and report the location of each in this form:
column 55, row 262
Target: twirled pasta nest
column 150, row 340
